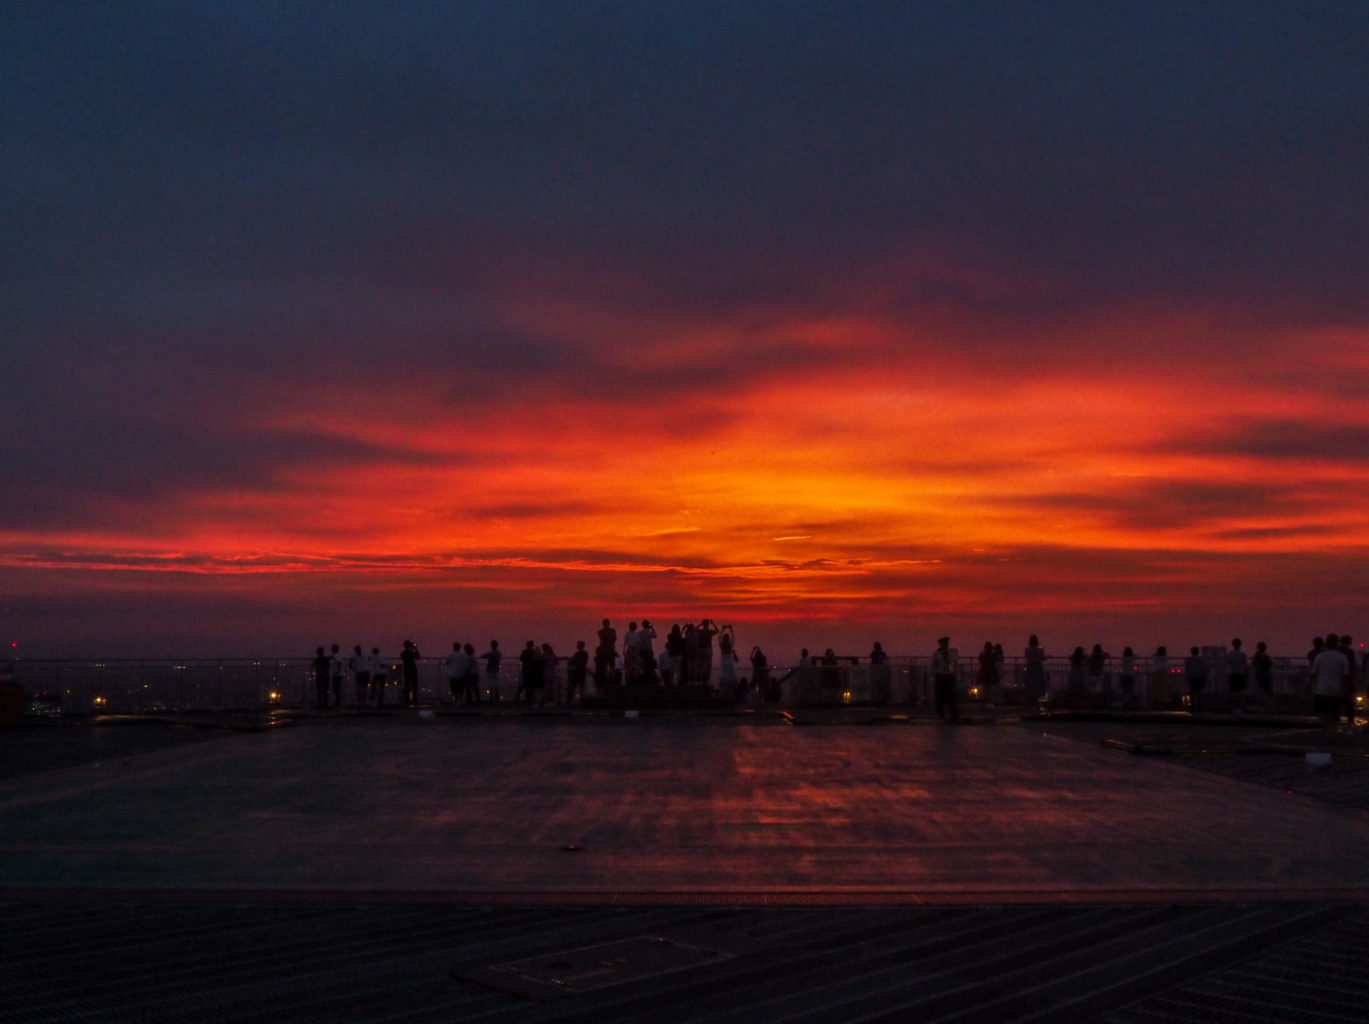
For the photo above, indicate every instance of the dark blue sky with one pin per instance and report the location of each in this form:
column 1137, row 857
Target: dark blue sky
column 1112, row 150
column 215, row 215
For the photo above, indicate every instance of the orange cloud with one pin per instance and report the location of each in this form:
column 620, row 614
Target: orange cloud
column 873, row 472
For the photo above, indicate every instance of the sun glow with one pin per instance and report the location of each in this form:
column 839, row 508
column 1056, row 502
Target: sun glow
column 814, row 492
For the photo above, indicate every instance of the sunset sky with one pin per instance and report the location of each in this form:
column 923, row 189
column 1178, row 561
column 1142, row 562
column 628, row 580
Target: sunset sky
column 836, row 321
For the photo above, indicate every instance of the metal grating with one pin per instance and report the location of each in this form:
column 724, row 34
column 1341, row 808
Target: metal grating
column 1318, row 978
column 207, row 962
column 575, row 971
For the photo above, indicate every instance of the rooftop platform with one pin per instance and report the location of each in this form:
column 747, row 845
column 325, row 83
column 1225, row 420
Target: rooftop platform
column 683, row 867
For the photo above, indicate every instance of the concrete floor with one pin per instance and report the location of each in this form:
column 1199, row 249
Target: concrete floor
column 603, row 809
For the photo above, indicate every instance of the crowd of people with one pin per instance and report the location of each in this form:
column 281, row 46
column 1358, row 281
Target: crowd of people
column 685, row 659
column 369, row 673
column 1333, row 673
column 687, row 656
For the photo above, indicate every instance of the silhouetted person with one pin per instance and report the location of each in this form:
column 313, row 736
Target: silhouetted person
column 760, row 677
column 1097, row 666
column 727, row 664
column 529, row 674
column 1195, row 673
column 456, row 671
column 1237, row 669
column 1262, row 669
column 470, row 679
column 829, row 671
column 1035, row 682
column 336, row 669
column 1330, row 673
column 1078, row 659
column 492, row 659
column 881, row 675
column 604, row 655
column 1159, row 677
column 379, row 675
column 577, row 671
column 323, row 670
column 632, row 656
column 987, row 678
column 802, row 673
column 1318, row 645
column 1126, row 678
column 944, row 671
column 704, row 633
column 408, row 660
column 646, row 647
column 673, row 660
column 546, row 693
column 1347, row 648
column 361, row 673
column 687, row 670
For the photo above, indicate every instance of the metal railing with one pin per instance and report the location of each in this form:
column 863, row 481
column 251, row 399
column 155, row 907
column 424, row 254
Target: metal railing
column 150, row 686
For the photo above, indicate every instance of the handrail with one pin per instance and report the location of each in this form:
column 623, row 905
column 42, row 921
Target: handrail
column 134, row 685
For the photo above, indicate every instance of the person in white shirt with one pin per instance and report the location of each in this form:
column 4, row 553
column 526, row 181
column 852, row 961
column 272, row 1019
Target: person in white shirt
column 1330, row 673
column 727, row 665
column 456, row 671
column 360, row 667
column 945, row 676
column 647, row 650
